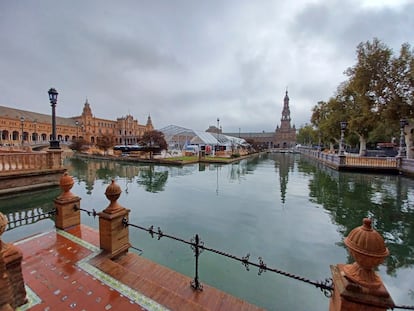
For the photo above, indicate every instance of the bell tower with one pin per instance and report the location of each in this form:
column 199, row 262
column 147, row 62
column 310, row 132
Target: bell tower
column 285, row 121
column 285, row 135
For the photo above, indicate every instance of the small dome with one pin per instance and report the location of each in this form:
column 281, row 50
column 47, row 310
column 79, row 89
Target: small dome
column 113, row 189
column 366, row 241
column 66, row 180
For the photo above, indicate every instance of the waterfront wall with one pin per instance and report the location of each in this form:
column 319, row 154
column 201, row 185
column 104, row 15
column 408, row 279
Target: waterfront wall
column 20, row 171
column 356, row 163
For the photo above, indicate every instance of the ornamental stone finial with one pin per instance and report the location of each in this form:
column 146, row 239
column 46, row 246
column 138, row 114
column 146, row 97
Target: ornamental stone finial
column 66, row 183
column 112, row 193
column 368, row 249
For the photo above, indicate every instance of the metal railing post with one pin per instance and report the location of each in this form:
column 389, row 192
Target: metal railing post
column 196, row 243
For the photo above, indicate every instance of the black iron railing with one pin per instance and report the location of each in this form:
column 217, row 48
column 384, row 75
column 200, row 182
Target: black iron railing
column 27, row 217
column 197, row 245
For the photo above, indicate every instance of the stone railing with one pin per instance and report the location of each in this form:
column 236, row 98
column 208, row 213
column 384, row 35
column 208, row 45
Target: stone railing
column 347, row 162
column 373, row 162
column 15, row 162
column 329, row 159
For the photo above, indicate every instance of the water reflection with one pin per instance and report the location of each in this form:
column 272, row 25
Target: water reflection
column 153, row 180
column 284, row 163
column 153, row 177
column 388, row 200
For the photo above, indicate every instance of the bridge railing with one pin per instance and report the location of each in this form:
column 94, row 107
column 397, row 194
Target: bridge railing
column 15, row 162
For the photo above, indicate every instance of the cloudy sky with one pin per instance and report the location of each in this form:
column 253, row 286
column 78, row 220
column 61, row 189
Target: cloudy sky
column 188, row 62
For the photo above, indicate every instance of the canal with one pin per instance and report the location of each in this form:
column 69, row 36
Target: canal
column 291, row 212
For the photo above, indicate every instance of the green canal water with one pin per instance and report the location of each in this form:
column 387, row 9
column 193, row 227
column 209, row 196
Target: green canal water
column 291, row 212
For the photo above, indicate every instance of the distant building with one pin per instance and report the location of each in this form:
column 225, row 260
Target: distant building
column 19, row 127
column 283, row 137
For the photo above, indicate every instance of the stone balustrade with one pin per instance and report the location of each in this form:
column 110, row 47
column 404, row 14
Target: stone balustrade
column 14, row 162
column 371, row 162
column 347, row 162
column 22, row 171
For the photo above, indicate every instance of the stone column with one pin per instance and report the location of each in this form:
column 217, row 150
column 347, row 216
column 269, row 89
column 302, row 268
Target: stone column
column 357, row 286
column 11, row 271
column 67, row 205
column 113, row 235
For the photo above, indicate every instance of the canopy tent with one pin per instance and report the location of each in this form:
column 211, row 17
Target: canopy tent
column 179, row 137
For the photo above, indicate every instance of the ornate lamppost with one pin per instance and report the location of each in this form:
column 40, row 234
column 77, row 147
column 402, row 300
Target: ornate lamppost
column 35, row 132
column 53, row 94
column 218, row 131
column 22, row 125
column 77, row 129
column 401, row 151
column 344, row 124
column 319, row 141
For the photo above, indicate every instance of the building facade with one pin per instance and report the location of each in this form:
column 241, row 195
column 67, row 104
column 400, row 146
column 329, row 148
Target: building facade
column 21, row 127
column 283, row 137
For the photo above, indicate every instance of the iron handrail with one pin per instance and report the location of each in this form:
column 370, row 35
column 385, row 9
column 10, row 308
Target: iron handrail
column 326, row 286
column 40, row 217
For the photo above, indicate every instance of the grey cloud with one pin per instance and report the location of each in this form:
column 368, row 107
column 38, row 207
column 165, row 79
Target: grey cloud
column 185, row 62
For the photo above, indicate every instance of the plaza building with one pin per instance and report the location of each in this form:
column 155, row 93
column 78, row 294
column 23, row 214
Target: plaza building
column 22, row 127
column 284, row 136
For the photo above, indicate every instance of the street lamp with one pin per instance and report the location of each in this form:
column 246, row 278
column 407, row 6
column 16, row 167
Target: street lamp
column 53, row 94
column 22, row 124
column 344, row 124
column 218, row 131
column 319, row 141
column 35, row 133
column 401, row 150
column 77, row 128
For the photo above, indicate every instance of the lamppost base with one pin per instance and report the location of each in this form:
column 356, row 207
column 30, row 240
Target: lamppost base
column 54, row 144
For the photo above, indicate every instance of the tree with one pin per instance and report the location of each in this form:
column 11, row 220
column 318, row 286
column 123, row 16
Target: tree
column 105, row 142
column 378, row 93
column 79, row 144
column 367, row 91
column 307, row 135
column 153, row 141
column 326, row 117
column 401, row 87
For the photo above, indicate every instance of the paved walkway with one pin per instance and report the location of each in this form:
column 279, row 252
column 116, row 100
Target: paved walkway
column 66, row 270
